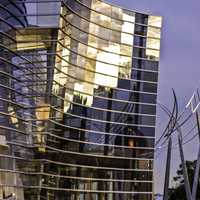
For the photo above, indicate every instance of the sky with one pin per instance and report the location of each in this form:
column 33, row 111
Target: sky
column 179, row 64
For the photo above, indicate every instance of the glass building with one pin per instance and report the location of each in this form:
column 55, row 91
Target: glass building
column 78, row 89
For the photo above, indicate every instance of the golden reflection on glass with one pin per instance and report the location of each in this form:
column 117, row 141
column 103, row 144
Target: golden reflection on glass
column 153, row 32
column 127, row 26
column 80, row 89
column 3, row 143
column 153, row 37
column 103, row 20
column 117, row 13
column 95, row 69
column 13, row 116
column 126, row 38
column 155, row 21
column 32, row 38
column 102, row 62
column 101, row 7
column 116, row 25
column 125, row 71
column 128, row 17
column 42, row 111
column 109, row 70
column 62, row 60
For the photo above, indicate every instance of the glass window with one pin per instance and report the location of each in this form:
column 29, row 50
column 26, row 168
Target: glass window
column 145, row 64
column 117, row 13
column 126, row 38
column 140, row 30
column 146, row 76
column 101, row 7
column 141, row 18
column 155, row 21
column 116, row 25
column 139, row 41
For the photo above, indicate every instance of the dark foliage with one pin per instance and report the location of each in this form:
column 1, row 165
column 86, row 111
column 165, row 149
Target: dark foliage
column 178, row 192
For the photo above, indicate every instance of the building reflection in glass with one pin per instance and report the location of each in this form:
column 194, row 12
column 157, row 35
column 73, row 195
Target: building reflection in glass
column 77, row 101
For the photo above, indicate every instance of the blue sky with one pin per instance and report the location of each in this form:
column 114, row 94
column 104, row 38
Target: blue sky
column 179, row 63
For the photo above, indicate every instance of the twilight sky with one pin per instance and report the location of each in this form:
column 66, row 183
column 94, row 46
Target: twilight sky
column 179, row 62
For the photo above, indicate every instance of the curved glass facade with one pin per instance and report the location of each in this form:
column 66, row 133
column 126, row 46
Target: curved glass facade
column 78, row 89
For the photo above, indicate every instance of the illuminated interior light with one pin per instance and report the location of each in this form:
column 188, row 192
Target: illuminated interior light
column 42, row 112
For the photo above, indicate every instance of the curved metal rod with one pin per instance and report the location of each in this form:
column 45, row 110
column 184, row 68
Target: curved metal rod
column 172, row 129
column 171, row 115
column 180, row 142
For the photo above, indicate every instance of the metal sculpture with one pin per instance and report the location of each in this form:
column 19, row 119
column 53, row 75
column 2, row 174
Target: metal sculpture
column 173, row 126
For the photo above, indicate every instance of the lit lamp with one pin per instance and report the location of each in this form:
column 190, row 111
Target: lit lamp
column 131, row 143
column 42, row 112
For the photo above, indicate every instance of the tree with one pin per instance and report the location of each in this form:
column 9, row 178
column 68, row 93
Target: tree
column 178, row 192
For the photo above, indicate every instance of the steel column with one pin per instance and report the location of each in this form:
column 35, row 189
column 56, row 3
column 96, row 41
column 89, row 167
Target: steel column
column 167, row 173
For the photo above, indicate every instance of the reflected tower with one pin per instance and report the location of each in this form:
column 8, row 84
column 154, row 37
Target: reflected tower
column 78, row 96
